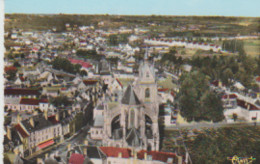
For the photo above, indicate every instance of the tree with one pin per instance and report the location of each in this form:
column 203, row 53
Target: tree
column 196, row 101
column 113, row 40
column 65, row 65
column 211, row 107
column 11, row 72
column 60, row 101
column 234, row 116
column 170, row 58
column 227, row 76
column 83, row 73
column 16, row 64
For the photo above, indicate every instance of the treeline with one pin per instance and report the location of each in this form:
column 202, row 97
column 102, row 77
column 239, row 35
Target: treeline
column 228, row 69
column 116, row 39
column 233, row 46
column 89, row 54
column 65, row 65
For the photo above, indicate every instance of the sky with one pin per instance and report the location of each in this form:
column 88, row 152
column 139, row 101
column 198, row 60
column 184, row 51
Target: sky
column 137, row 7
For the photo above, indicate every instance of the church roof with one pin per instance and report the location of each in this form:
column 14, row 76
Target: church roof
column 132, row 137
column 130, row 97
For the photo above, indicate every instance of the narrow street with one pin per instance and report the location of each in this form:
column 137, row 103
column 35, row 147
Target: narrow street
column 61, row 150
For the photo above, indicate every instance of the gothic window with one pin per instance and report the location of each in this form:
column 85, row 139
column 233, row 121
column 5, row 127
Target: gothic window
column 147, row 74
column 147, row 93
column 116, row 97
column 132, row 118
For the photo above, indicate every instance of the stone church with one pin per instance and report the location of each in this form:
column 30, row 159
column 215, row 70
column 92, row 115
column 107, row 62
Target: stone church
column 133, row 121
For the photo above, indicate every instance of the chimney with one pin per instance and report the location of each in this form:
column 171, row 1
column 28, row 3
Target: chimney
column 46, row 155
column 85, row 151
column 248, row 106
column 120, row 155
column 69, row 111
column 46, row 115
column 145, row 156
column 18, row 118
column 57, row 116
column 8, row 132
column 69, row 146
column 31, row 121
column 86, row 142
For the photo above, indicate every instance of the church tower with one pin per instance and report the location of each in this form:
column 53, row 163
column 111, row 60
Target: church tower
column 133, row 122
column 146, row 86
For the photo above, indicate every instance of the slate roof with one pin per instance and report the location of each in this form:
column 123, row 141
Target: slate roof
column 99, row 121
column 130, row 97
column 39, row 123
column 132, row 137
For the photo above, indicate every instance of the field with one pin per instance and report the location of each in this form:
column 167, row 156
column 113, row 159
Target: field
column 252, row 47
column 171, row 26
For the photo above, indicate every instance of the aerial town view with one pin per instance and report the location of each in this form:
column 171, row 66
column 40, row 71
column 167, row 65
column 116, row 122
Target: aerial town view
column 122, row 87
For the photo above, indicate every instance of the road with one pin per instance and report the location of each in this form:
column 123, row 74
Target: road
column 212, row 125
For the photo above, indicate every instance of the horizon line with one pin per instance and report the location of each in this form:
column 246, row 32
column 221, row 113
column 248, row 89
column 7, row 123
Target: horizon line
column 107, row 14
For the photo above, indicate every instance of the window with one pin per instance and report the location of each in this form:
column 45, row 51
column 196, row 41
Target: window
column 147, row 74
column 147, row 93
column 132, row 118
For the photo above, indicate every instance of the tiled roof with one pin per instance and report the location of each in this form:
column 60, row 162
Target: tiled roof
column 46, row 144
column 119, row 82
column 44, row 101
column 10, row 68
column 90, row 82
column 162, row 89
column 245, row 105
column 258, row 79
column 158, row 156
column 76, row 159
column 26, row 101
column 52, row 119
column 82, row 63
column 231, row 96
column 21, row 91
column 22, row 132
column 114, row 151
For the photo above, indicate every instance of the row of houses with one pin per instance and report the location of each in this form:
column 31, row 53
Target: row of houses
column 182, row 43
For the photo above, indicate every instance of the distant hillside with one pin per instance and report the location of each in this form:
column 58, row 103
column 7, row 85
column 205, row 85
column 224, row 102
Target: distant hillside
column 164, row 24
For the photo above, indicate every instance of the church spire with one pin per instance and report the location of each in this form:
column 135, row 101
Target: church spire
column 146, row 54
